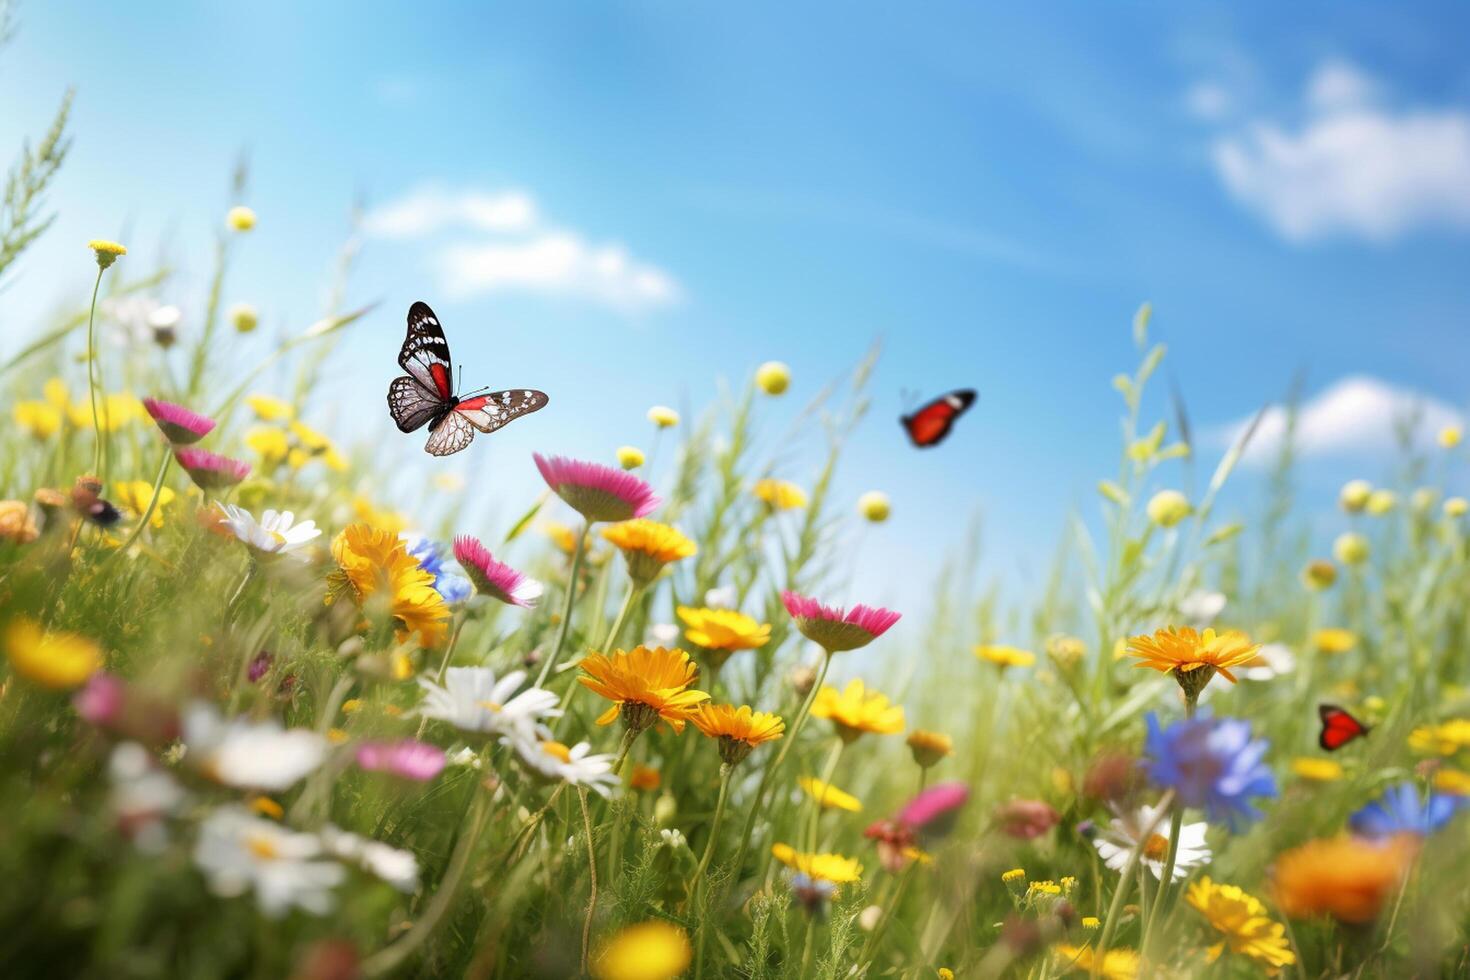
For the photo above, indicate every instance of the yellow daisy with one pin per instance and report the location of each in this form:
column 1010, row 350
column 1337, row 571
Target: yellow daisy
column 653, row 950
column 1004, row 656
column 374, row 560
column 723, row 631
column 1114, row 964
column 779, row 494
column 1243, row 922
column 135, row 494
column 648, row 546
column 739, row 730
column 856, row 710
column 645, row 685
column 829, row 796
column 1334, row 639
column 1191, row 656
column 824, row 867
column 1445, row 739
column 60, row 661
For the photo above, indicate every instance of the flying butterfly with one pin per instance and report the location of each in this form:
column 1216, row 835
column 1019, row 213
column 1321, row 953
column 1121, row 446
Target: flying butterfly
column 931, row 423
column 427, row 396
column 1338, row 727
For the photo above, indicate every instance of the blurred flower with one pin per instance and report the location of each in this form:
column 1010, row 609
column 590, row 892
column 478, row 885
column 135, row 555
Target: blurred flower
column 829, row 796
column 1423, row 499
column 315, row 445
column 1453, row 781
column 723, row 631
column 178, row 424
column 56, row 660
column 1168, row 507
column 573, row 765
column 1004, row 656
column 1243, row 923
column 648, row 546
column 597, row 492
column 240, row 218
column 1354, row 495
column 1191, row 656
column 779, row 494
column 832, row 868
column 107, row 252
column 654, row 950
column 1447, row 738
column 1400, row 810
column 164, row 322
column 1450, row 436
column 1334, row 639
column 136, row 494
column 270, row 444
column 243, row 317
column 645, row 685
column 16, row 524
column 474, row 700
column 1456, row 507
column 276, row 534
column 142, row 796
column 856, row 710
column 722, row 597
column 431, row 558
column 1317, row 770
column 408, row 758
column 630, row 457
column 372, row 561
column 1345, row 877
column 773, row 377
column 1211, row 764
column 38, row 419
column 114, row 412
column 240, row 852
column 1380, row 502
column 1065, row 651
column 663, row 416
column 645, row 778
column 1201, row 607
column 934, row 810
column 211, row 471
column 249, row 754
column 812, row 893
column 562, row 536
column 1271, row 660
column 398, row 868
column 929, row 747
column 1115, row 842
column 895, row 843
column 1319, row 574
column 448, row 482
column 260, row 665
column 834, row 628
column 1351, row 548
column 739, row 730
column 1113, row 964
column 1026, row 819
column 270, row 409
column 494, row 578
column 874, row 506
column 1112, row 777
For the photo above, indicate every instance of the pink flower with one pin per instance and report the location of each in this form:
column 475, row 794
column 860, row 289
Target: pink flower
column 178, row 424
column 895, row 843
column 934, row 807
column 597, row 492
column 101, row 702
column 1026, row 819
column 410, row 758
column 260, row 665
column 211, row 471
column 836, row 629
column 494, row 578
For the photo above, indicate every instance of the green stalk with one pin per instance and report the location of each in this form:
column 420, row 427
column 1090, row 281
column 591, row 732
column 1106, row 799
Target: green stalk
column 696, row 884
column 168, row 457
column 828, row 771
column 92, row 377
column 1166, row 879
column 1125, row 879
column 566, row 609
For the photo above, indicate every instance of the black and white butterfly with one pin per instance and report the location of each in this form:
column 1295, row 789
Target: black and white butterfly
column 427, row 394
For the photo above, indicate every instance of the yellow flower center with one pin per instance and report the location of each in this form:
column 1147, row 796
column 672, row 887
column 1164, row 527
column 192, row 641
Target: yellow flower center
column 1156, row 847
column 492, row 706
column 557, row 751
column 262, row 847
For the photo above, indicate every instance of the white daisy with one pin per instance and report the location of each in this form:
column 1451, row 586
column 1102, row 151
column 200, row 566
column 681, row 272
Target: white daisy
column 240, row 852
column 275, row 534
column 1201, row 607
column 721, row 597
column 473, row 699
column 251, row 754
column 663, row 635
column 398, row 868
column 1116, row 842
column 554, row 760
column 1272, row 660
column 143, row 796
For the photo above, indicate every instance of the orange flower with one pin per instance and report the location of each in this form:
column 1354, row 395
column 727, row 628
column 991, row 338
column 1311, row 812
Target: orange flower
column 1344, row 877
column 1193, row 657
column 645, row 685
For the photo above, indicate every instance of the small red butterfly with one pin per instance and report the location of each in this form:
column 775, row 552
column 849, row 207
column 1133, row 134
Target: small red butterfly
column 1338, row 727
column 931, row 423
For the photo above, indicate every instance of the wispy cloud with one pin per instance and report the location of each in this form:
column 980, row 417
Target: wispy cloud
column 1354, row 166
column 517, row 249
column 1356, row 416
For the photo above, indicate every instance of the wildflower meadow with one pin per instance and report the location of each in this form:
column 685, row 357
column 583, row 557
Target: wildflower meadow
column 260, row 718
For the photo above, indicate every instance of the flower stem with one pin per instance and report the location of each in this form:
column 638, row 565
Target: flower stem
column 617, row 627
column 1166, row 879
column 1125, row 879
column 591, row 870
column 828, row 771
column 92, row 373
column 566, row 609
column 168, row 457
column 696, row 884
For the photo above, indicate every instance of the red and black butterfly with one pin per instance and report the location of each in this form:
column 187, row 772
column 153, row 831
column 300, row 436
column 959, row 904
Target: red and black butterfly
column 931, row 423
column 1338, row 727
column 427, row 394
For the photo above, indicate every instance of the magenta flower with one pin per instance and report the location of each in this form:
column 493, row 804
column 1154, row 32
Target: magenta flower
column 835, row 629
column 597, row 492
column 409, row 759
column 101, row 701
column 260, row 665
column 494, row 578
column 935, row 807
column 211, row 471
column 179, row 425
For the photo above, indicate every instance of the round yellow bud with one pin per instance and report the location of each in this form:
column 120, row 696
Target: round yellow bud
column 1354, row 495
column 1351, row 548
column 630, row 457
column 1168, row 507
column 240, row 218
column 773, row 377
column 1424, row 499
column 244, row 317
column 1380, row 502
column 874, row 506
column 663, row 416
column 1456, row 507
column 1319, row 574
column 106, row 251
column 1450, row 436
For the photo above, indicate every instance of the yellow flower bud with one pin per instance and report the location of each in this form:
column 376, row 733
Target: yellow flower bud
column 106, row 252
column 244, row 317
column 1450, row 436
column 1423, row 499
column 240, row 218
column 1354, row 495
column 1168, row 508
column 1380, row 502
column 773, row 377
column 1319, row 574
column 663, row 416
column 1456, row 507
column 874, row 506
column 630, row 457
column 1351, row 548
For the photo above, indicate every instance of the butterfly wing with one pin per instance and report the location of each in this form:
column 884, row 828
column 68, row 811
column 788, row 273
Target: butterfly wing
column 1338, row 727
column 425, row 352
column 411, row 404
column 931, row 424
column 489, row 412
column 451, row 434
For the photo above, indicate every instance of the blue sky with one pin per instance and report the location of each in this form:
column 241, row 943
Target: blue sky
column 621, row 203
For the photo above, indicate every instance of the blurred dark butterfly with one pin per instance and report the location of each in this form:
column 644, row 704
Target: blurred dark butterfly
column 427, row 395
column 1338, row 727
column 86, row 498
column 930, row 424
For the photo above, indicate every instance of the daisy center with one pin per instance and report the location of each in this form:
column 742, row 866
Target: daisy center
column 492, row 706
column 557, row 751
column 1156, row 847
column 262, row 847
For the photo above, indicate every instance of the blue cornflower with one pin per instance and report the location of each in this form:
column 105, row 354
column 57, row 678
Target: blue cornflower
column 430, row 555
column 1211, row 764
column 1401, row 811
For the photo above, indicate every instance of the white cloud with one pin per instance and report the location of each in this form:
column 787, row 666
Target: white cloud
column 1353, row 167
column 517, row 250
column 1356, row 416
column 1208, row 100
